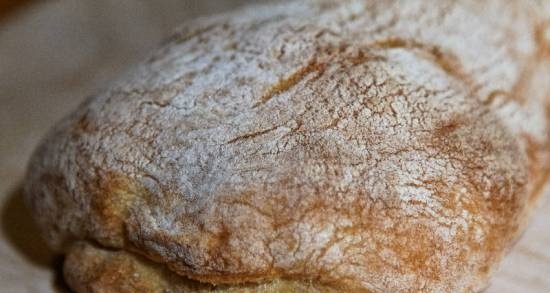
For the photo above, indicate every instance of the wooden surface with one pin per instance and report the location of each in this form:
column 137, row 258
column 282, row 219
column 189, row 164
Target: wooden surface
column 55, row 53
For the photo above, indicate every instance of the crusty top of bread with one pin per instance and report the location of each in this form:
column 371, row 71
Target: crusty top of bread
column 374, row 146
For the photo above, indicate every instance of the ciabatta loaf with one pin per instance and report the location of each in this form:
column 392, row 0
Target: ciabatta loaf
column 308, row 146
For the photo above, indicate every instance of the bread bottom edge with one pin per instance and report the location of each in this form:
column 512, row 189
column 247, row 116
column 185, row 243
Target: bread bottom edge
column 89, row 268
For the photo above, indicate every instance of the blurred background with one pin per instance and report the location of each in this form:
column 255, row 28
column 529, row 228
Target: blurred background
column 54, row 53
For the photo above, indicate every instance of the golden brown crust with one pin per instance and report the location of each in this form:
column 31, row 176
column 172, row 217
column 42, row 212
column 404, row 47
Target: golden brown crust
column 90, row 269
column 372, row 146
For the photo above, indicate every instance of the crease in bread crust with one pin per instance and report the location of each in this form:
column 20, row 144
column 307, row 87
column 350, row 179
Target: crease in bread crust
column 89, row 268
column 359, row 145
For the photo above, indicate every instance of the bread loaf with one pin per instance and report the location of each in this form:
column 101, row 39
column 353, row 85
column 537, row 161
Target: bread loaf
column 307, row 146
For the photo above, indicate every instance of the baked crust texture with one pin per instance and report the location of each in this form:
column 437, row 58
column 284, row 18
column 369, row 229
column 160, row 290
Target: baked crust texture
column 369, row 146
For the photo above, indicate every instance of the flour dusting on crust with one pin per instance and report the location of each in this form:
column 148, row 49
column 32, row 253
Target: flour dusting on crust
column 371, row 146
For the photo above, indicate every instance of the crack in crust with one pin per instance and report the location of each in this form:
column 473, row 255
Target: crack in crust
column 289, row 82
